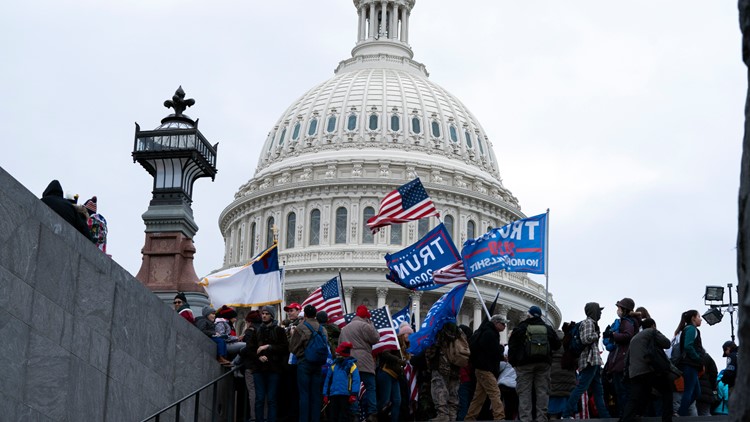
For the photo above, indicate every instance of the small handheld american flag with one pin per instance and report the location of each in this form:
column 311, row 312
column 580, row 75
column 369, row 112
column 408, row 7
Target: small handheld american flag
column 328, row 298
column 382, row 321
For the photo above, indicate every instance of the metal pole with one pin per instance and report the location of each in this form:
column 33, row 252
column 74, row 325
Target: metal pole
column 730, row 309
column 481, row 300
column 546, row 265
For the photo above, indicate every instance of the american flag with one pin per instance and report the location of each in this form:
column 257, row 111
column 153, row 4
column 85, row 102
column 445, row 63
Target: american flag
column 408, row 202
column 411, row 380
column 383, row 324
column 328, row 298
column 452, row 273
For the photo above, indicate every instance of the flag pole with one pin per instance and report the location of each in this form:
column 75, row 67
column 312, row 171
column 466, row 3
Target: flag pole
column 341, row 284
column 546, row 266
column 481, row 300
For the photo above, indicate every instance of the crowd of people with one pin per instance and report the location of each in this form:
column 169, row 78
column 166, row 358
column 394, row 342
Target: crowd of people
column 541, row 373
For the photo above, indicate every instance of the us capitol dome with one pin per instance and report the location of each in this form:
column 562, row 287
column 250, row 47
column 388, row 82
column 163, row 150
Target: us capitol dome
column 335, row 152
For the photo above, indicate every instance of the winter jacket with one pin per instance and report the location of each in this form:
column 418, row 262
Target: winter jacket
column 638, row 363
column 391, row 363
column 362, row 335
column 187, row 313
column 53, row 197
column 206, row 326
column 436, row 358
column 691, row 346
column 730, row 372
column 224, row 329
column 708, row 380
column 342, row 378
column 589, row 333
column 723, row 407
column 277, row 353
column 561, row 381
column 506, row 375
column 621, row 337
column 517, row 343
column 486, row 351
column 301, row 336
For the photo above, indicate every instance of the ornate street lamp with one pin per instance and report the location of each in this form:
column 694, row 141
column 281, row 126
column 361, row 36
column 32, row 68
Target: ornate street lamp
column 175, row 154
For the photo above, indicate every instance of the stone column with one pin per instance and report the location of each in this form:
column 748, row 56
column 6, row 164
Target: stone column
column 361, row 29
column 348, row 295
column 502, row 310
column 393, row 22
column 405, row 25
column 383, row 19
column 373, row 21
column 382, row 293
column 402, row 35
column 416, row 296
column 477, row 306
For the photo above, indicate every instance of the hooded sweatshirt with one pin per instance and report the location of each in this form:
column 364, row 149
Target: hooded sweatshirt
column 53, row 197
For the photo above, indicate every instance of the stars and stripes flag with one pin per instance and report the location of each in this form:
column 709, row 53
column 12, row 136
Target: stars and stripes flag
column 408, row 202
column 382, row 321
column 453, row 273
column 411, row 381
column 328, row 298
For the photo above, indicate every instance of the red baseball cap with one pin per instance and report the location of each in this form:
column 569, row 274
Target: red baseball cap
column 293, row 305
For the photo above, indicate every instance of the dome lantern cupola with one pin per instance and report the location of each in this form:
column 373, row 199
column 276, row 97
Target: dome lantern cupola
column 383, row 27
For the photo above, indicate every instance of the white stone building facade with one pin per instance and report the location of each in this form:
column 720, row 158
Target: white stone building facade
column 342, row 146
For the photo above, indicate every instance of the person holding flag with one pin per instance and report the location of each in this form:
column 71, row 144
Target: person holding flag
column 361, row 333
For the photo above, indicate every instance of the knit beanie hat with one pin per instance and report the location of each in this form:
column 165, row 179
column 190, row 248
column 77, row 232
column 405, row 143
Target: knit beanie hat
column 405, row 328
column 253, row 316
column 208, row 311
column 271, row 310
column 91, row 204
column 226, row 312
column 182, row 297
column 362, row 311
column 344, row 349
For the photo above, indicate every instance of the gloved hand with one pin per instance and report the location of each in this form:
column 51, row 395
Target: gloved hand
column 352, row 399
column 325, row 400
column 607, row 332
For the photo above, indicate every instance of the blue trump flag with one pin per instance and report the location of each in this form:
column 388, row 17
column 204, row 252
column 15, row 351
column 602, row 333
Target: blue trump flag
column 401, row 316
column 412, row 267
column 517, row 247
column 444, row 310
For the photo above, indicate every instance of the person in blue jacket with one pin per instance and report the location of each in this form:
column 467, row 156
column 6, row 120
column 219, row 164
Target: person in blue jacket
column 341, row 386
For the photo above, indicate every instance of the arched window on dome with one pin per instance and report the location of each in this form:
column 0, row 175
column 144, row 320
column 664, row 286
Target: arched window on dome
column 269, row 232
column 468, row 139
column 367, row 236
column 295, row 131
column 395, row 122
column 281, row 138
column 351, row 122
column 252, row 239
column 331, row 125
column 313, row 127
column 479, row 143
column 423, row 226
column 448, row 223
column 435, row 126
column 396, row 234
column 416, row 125
column 314, row 227
column 453, row 133
column 291, row 229
column 341, row 220
column 471, row 231
column 373, row 122
column 271, row 137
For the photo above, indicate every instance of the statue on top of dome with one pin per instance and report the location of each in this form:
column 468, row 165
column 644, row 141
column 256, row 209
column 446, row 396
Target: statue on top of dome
column 178, row 102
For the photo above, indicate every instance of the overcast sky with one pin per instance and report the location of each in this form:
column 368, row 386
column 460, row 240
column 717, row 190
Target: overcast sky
column 624, row 118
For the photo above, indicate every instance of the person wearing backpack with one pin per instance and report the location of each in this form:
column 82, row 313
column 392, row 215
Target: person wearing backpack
column 341, row 386
column 310, row 344
column 629, row 325
column 691, row 358
column 361, row 333
column 589, row 363
column 486, row 355
column 444, row 378
column 530, row 350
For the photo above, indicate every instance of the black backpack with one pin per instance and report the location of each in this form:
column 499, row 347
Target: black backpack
column 572, row 345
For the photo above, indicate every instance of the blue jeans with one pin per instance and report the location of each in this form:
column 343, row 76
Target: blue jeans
column 389, row 391
column 692, row 389
column 369, row 401
column 221, row 346
column 591, row 376
column 465, row 394
column 266, row 387
column 309, row 381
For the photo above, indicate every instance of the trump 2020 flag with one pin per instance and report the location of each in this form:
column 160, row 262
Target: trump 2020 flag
column 444, row 310
column 257, row 283
column 414, row 266
column 408, row 202
column 401, row 316
column 517, row 247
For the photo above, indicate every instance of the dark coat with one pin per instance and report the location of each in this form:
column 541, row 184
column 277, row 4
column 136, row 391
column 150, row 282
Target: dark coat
column 517, row 343
column 708, row 380
column 53, row 197
column 362, row 335
column 621, row 338
column 206, row 326
column 562, row 382
column 638, row 364
column 486, row 351
column 277, row 352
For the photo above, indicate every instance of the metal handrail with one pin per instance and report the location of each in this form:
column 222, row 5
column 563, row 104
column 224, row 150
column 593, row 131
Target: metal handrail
column 196, row 394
